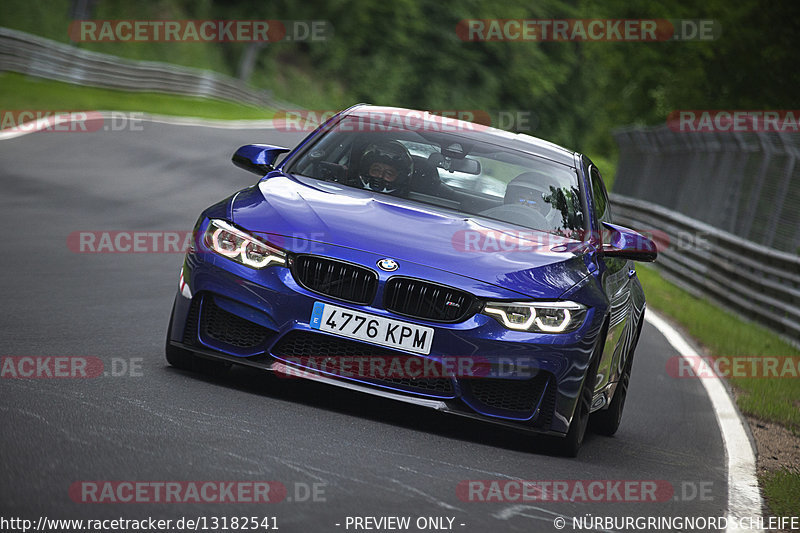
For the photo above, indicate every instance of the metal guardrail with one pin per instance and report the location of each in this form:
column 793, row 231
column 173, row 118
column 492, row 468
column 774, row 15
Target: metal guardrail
column 36, row 56
column 746, row 183
column 757, row 282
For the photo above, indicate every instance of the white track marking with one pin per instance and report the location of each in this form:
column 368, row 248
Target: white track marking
column 744, row 496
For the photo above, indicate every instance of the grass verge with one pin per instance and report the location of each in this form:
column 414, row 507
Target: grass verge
column 781, row 489
column 18, row 92
column 725, row 334
column 722, row 333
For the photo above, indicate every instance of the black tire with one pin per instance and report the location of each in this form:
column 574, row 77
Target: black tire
column 570, row 445
column 607, row 421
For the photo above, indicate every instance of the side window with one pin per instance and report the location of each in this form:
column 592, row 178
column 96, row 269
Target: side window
column 599, row 195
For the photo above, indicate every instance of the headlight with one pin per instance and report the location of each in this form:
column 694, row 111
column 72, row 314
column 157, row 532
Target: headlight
column 241, row 247
column 541, row 317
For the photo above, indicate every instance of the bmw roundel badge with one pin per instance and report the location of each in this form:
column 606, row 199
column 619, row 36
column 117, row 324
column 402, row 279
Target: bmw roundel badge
column 388, row 265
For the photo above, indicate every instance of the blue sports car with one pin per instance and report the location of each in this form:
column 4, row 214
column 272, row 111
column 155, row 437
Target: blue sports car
column 368, row 258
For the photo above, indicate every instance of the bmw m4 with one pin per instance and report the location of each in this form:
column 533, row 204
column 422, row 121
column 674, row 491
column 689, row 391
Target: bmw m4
column 424, row 259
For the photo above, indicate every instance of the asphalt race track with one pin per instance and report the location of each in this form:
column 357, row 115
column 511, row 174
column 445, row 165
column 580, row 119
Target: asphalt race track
column 367, row 456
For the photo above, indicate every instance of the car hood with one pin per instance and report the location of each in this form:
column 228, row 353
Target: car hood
column 290, row 211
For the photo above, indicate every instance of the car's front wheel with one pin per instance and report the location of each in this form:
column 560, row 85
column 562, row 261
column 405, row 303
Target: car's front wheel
column 607, row 422
column 571, row 443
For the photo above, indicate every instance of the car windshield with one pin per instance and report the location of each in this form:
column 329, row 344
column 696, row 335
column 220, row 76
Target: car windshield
column 448, row 171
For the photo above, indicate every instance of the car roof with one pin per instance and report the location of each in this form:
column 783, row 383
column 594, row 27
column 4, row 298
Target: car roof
column 479, row 132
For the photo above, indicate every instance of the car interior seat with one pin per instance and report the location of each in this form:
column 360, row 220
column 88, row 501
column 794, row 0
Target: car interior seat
column 523, row 203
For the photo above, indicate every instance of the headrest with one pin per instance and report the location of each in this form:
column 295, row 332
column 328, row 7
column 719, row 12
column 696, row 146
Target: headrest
column 526, row 190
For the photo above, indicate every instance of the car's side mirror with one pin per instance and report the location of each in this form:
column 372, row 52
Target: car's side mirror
column 257, row 158
column 628, row 244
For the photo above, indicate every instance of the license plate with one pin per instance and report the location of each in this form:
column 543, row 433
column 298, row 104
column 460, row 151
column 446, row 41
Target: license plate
column 372, row 328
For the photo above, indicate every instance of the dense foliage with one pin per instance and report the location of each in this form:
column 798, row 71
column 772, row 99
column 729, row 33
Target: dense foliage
column 407, row 53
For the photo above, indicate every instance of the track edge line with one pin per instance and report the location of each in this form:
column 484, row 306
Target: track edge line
column 744, row 495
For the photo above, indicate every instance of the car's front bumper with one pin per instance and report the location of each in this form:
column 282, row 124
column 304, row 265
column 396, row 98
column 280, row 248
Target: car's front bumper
column 261, row 318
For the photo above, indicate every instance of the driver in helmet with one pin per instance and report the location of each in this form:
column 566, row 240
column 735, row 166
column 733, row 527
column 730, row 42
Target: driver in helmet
column 386, row 167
